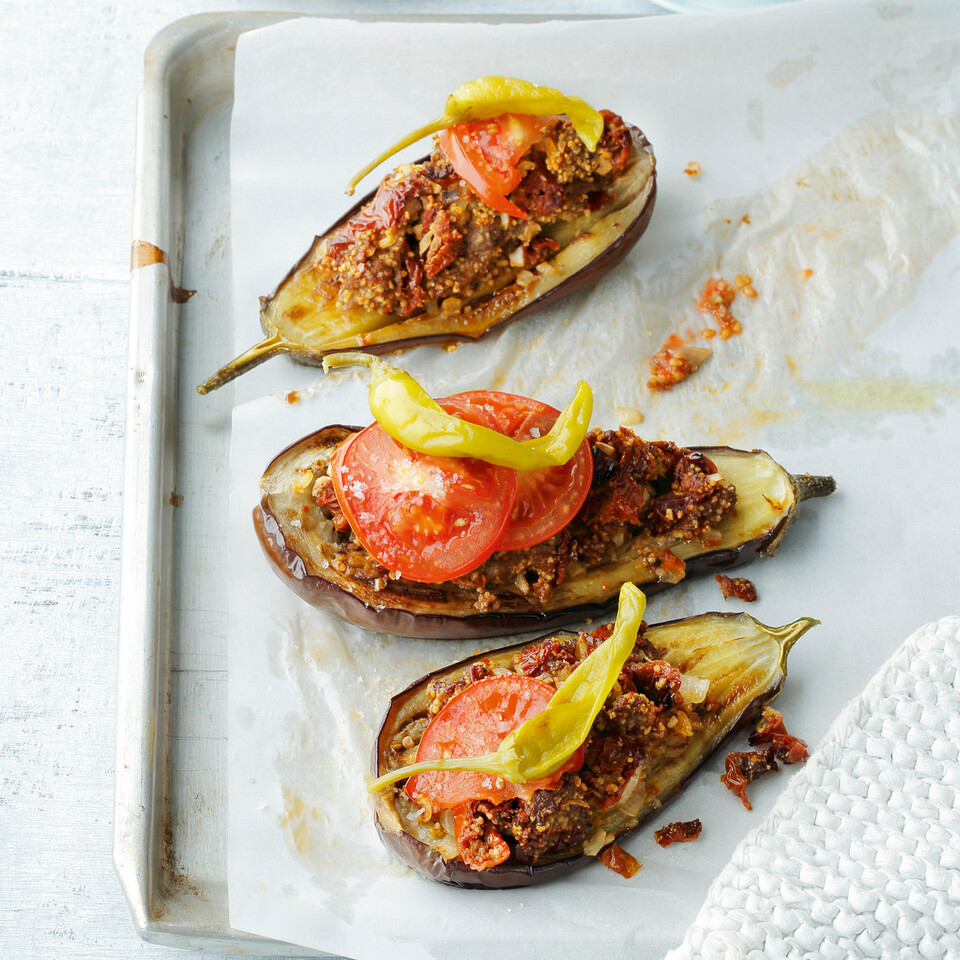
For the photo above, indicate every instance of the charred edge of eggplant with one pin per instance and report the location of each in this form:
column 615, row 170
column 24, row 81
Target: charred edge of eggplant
column 429, row 863
column 593, row 271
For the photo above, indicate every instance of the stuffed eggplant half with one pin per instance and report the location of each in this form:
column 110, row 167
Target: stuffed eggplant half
column 526, row 196
column 403, row 542
column 645, row 721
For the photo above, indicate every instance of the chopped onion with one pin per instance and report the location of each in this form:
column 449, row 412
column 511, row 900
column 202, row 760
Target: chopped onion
column 693, row 689
column 597, row 842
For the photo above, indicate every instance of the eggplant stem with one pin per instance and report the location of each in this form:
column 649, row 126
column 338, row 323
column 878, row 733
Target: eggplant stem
column 259, row 352
column 809, row 487
column 790, row 633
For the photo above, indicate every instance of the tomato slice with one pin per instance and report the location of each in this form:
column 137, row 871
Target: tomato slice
column 485, row 154
column 547, row 500
column 428, row 518
column 475, row 722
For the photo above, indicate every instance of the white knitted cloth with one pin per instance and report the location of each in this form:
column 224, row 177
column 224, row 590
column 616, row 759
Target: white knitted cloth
column 861, row 856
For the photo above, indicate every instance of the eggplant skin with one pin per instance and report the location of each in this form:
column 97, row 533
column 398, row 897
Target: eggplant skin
column 768, row 497
column 702, row 645
column 606, row 240
column 431, row 865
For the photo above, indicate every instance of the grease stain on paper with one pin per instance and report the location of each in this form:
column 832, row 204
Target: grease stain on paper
column 755, row 119
column 895, row 83
column 786, row 71
column 882, row 394
column 890, row 11
column 296, row 820
column 747, row 424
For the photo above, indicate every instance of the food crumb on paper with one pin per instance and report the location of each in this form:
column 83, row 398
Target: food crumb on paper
column 739, row 587
column 674, row 362
column 629, row 415
column 717, row 298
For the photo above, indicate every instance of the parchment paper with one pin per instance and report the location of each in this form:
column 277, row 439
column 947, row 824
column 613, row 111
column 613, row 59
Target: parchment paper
column 828, row 138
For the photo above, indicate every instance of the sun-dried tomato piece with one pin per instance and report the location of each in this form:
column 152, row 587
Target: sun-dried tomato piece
column 602, row 632
column 739, row 587
column 619, row 861
column 659, row 682
column 680, row 831
column 771, row 730
column 479, row 842
column 548, row 657
column 743, row 768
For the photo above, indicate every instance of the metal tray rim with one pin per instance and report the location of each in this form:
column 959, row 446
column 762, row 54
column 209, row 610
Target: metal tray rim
column 148, row 470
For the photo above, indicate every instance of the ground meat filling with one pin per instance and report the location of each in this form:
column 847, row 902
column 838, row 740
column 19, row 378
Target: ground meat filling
column 654, row 491
column 657, row 489
column 639, row 489
column 427, row 238
column 643, row 723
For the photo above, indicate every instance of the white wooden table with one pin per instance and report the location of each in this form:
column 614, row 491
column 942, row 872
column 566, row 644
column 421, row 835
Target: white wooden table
column 69, row 75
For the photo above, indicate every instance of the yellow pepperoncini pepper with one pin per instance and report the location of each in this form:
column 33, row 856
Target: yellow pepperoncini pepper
column 409, row 415
column 489, row 97
column 542, row 744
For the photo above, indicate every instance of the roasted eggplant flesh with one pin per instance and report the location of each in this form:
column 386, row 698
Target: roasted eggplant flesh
column 307, row 551
column 692, row 682
column 302, row 317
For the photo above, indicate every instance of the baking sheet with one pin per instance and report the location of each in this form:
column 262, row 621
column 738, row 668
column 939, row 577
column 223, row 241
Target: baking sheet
column 841, row 155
